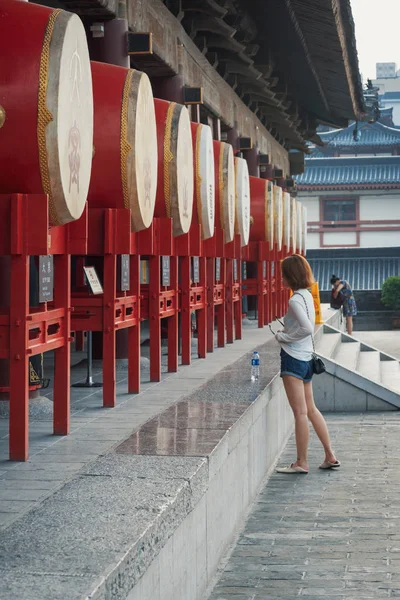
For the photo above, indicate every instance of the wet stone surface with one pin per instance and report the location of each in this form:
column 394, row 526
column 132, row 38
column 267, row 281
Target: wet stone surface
column 194, row 427
column 187, row 428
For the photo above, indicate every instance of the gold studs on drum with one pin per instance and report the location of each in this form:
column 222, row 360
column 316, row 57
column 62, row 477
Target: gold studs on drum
column 2, row 116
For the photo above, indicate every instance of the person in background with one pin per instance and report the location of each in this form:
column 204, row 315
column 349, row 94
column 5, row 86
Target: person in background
column 296, row 364
column 340, row 286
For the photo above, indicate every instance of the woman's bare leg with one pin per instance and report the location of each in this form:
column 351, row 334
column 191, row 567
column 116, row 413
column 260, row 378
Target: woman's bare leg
column 294, row 389
column 349, row 325
column 318, row 422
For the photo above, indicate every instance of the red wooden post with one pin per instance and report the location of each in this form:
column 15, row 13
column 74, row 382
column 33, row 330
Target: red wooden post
column 238, row 304
column 109, row 342
column 173, row 320
column 210, row 275
column 134, row 332
column 185, row 310
column 80, row 282
column 19, row 362
column 62, row 360
column 202, row 314
column 229, row 301
column 154, row 318
column 268, row 296
column 109, row 310
column 221, row 315
column 260, row 291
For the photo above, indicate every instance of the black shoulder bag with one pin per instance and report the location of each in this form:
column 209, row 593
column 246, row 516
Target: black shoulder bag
column 317, row 362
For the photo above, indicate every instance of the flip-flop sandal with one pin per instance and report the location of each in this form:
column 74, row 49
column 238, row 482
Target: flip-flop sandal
column 328, row 465
column 291, row 469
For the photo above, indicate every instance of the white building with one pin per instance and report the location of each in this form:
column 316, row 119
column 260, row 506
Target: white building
column 388, row 82
column 351, row 188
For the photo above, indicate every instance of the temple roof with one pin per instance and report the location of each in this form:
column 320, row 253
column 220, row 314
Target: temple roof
column 370, row 136
column 377, row 172
column 363, row 273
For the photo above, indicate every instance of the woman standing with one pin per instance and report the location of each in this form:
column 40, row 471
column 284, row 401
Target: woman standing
column 340, row 286
column 296, row 364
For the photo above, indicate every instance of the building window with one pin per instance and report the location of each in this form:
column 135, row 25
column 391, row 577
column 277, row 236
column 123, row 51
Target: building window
column 336, row 211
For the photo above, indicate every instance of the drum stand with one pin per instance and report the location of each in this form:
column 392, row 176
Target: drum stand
column 192, row 292
column 160, row 297
column 109, row 236
column 260, row 286
column 27, row 331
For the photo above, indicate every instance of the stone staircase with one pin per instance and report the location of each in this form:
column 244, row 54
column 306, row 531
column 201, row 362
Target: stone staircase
column 359, row 377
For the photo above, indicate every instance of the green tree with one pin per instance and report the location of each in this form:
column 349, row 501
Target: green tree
column 391, row 292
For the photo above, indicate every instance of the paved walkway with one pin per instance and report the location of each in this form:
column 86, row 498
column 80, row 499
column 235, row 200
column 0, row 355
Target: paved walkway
column 54, row 460
column 326, row 535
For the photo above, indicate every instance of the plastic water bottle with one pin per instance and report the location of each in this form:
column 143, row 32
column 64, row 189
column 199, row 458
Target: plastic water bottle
column 255, row 366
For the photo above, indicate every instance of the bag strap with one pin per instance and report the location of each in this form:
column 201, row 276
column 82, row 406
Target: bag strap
column 308, row 315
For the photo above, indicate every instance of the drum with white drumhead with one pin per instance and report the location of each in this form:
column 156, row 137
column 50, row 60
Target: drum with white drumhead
column 204, row 174
column 299, row 228
column 124, row 173
column 305, row 224
column 293, row 224
column 225, row 189
column 261, row 208
column 278, row 216
column 242, row 221
column 175, row 183
column 286, row 219
column 46, row 107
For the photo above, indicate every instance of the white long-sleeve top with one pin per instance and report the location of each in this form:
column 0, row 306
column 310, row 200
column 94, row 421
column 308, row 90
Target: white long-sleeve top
column 295, row 339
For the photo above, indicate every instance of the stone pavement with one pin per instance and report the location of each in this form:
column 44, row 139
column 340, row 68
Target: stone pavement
column 328, row 535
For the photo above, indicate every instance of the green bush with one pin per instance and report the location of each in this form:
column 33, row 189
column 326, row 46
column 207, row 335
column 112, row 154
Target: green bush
column 391, row 293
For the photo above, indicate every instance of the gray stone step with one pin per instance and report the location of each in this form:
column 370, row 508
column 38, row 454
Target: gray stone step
column 390, row 374
column 346, row 353
column 369, row 364
column 327, row 343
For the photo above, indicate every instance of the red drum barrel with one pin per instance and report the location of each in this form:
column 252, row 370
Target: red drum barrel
column 204, row 173
column 293, row 224
column 46, row 103
column 175, row 187
column 225, row 189
column 278, row 216
column 262, row 212
column 124, row 172
column 287, row 231
column 242, row 222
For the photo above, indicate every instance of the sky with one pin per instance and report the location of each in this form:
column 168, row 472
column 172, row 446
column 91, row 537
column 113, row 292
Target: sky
column 377, row 25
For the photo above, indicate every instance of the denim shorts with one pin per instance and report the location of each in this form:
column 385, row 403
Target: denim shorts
column 302, row 369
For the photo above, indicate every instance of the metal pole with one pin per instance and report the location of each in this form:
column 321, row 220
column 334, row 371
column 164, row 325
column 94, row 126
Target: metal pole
column 89, row 383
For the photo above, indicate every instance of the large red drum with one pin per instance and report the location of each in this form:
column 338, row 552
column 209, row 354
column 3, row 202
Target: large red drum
column 293, row 224
column 124, row 171
column 242, row 221
column 287, row 223
column 175, row 184
column 225, row 189
column 261, row 209
column 278, row 217
column 46, row 107
column 204, row 174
